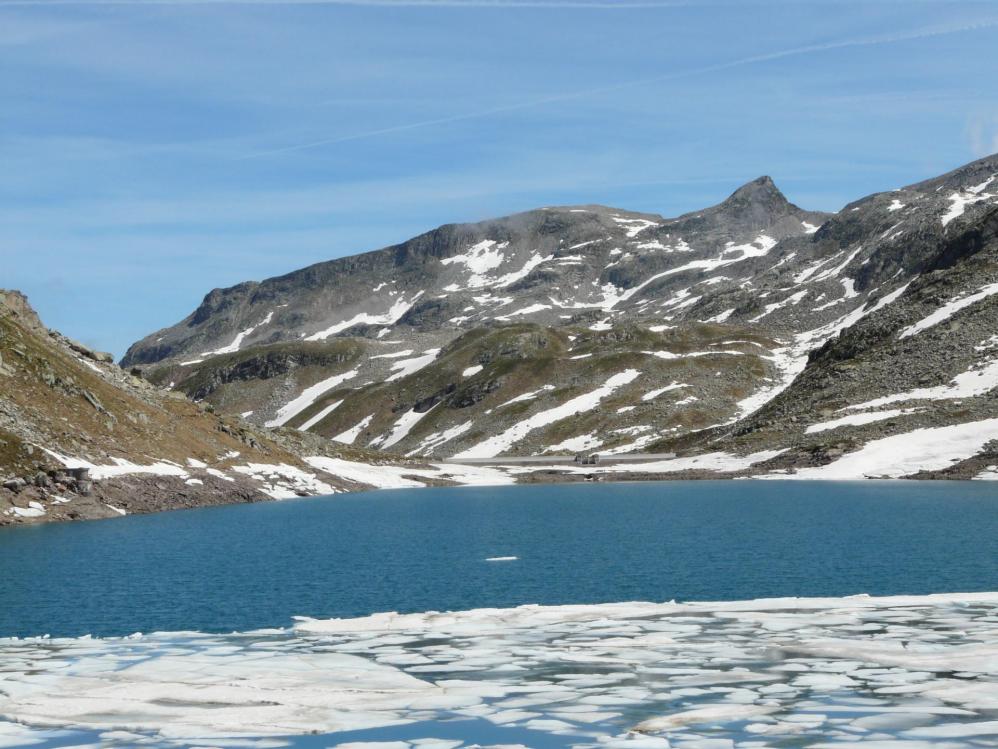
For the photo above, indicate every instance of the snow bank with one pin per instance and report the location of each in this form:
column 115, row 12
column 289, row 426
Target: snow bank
column 405, row 477
column 501, row 442
column 405, row 367
column 857, row 420
column 967, row 384
column 948, row 310
column 393, row 315
column 929, row 449
column 308, row 396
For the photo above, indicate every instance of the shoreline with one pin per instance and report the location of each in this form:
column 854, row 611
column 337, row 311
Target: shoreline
column 145, row 493
column 389, row 621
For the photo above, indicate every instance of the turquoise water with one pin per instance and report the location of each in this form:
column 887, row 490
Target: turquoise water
column 249, row 566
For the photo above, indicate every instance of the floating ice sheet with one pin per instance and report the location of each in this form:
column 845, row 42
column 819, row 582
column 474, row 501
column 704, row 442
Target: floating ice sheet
column 864, row 672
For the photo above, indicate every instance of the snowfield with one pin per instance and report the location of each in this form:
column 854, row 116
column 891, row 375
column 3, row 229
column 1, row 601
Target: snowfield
column 900, row 455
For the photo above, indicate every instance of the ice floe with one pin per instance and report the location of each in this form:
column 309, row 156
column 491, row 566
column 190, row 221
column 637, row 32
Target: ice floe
column 901, row 672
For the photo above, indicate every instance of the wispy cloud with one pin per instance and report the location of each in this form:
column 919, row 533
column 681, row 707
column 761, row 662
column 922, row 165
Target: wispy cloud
column 870, row 41
column 982, row 132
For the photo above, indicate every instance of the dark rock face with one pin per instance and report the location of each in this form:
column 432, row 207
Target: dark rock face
column 458, row 276
column 727, row 305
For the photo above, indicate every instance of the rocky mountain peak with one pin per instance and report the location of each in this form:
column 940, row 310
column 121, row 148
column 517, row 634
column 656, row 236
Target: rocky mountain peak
column 760, row 198
column 16, row 303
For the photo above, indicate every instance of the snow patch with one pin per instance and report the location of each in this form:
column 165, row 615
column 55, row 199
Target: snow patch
column 576, row 444
column 406, row 367
column 307, row 397
column 928, row 449
column 653, row 394
column 969, row 384
column 402, row 427
column 236, row 342
column 319, row 416
column 393, row 315
column 857, row 420
column 350, row 435
column 505, row 440
column 634, row 226
column 948, row 310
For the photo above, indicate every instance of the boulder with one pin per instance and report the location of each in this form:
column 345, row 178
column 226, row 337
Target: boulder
column 15, row 484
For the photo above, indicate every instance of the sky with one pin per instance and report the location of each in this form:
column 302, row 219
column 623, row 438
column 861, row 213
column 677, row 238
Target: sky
column 153, row 150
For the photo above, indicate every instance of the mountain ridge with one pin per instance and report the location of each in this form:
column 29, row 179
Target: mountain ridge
column 675, row 300
column 749, row 339
column 741, row 212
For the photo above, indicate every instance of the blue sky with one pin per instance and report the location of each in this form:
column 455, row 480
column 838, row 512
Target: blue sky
column 151, row 151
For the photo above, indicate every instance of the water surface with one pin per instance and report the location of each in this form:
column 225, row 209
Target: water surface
column 243, row 567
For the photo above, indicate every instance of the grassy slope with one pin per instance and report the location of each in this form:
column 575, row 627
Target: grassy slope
column 520, row 359
column 51, row 397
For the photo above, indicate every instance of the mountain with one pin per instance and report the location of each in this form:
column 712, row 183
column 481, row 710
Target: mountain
column 591, row 328
column 750, row 339
column 80, row 438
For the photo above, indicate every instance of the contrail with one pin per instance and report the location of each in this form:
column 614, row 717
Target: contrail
column 569, row 4
column 922, row 33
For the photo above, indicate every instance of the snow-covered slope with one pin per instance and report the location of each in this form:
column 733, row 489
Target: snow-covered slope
column 591, row 328
column 80, row 438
